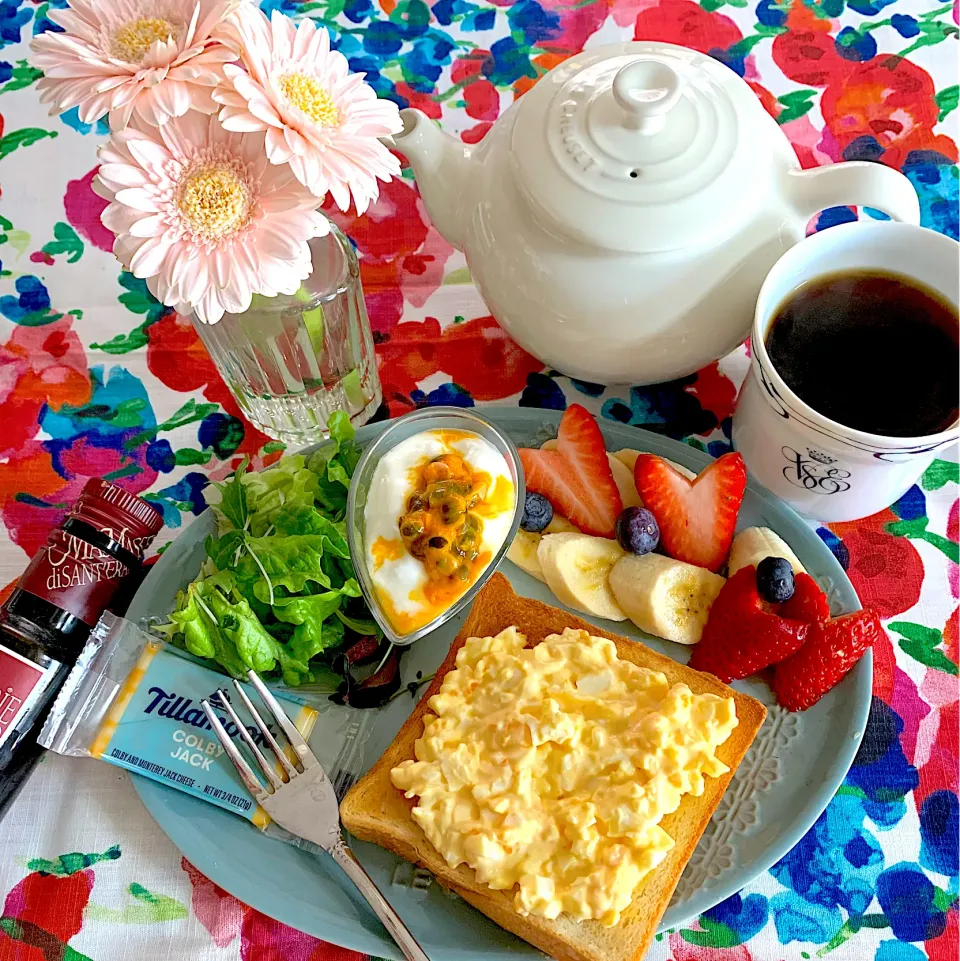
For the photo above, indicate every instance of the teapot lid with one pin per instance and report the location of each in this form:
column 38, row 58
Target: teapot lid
column 640, row 147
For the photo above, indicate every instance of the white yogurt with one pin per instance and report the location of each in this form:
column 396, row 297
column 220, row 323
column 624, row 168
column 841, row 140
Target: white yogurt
column 401, row 579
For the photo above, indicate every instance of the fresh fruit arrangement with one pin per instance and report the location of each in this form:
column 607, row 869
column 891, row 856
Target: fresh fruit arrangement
column 630, row 535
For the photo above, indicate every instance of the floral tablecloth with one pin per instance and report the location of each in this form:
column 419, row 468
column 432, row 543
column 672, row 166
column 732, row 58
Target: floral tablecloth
column 98, row 379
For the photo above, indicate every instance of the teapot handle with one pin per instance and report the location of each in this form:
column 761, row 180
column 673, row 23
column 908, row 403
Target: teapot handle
column 853, row 182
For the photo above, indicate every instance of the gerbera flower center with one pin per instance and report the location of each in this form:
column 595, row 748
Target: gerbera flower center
column 135, row 38
column 306, row 94
column 214, row 201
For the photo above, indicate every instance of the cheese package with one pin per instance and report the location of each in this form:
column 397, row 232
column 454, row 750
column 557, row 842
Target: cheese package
column 134, row 701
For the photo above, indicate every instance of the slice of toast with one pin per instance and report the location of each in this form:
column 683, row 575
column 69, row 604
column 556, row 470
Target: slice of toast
column 374, row 810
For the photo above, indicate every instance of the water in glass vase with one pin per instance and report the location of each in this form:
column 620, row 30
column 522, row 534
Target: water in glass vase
column 291, row 361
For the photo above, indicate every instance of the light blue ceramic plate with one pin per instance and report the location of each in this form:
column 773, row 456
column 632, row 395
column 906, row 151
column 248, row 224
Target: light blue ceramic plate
column 791, row 772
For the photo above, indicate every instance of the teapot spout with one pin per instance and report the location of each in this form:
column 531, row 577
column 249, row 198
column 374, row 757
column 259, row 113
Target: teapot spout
column 440, row 164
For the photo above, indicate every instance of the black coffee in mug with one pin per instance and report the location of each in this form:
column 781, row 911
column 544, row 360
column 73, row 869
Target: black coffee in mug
column 872, row 350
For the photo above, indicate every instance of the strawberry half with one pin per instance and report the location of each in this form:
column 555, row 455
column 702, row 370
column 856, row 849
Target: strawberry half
column 741, row 635
column 830, row 652
column 808, row 604
column 696, row 518
column 576, row 477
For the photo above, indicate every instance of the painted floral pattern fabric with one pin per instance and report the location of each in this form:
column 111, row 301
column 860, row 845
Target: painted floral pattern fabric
column 98, row 379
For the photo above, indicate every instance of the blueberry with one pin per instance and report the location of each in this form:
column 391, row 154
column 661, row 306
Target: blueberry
column 775, row 579
column 537, row 513
column 637, row 531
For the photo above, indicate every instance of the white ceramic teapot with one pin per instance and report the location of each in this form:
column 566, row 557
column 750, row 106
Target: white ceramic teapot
column 620, row 218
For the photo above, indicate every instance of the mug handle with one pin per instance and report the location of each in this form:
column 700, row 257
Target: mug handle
column 853, row 182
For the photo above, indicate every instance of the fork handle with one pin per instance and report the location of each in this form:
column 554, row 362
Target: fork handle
column 391, row 920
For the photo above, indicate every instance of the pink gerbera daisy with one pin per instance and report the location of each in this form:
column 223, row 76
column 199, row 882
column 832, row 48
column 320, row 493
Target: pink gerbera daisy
column 159, row 58
column 200, row 214
column 317, row 116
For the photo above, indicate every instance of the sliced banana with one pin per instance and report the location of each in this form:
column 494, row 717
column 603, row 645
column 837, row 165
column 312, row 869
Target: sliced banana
column 664, row 597
column 629, row 457
column 623, row 477
column 753, row 544
column 560, row 525
column 577, row 567
column 549, row 444
column 523, row 553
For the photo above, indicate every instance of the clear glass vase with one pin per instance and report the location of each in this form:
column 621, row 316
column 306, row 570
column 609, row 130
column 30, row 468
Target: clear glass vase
column 291, row 361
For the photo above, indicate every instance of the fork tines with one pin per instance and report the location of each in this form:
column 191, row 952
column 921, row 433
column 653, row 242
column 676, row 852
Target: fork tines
column 288, row 770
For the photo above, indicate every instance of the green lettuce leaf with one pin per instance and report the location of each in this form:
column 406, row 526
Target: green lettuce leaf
column 287, row 483
column 332, row 497
column 253, row 645
column 362, row 626
column 297, row 519
column 334, row 465
column 293, row 669
column 278, row 629
column 315, row 628
column 351, row 588
column 225, row 551
column 308, row 641
column 224, row 581
column 310, row 613
column 233, row 510
column 326, row 538
column 312, row 610
column 332, row 571
column 202, row 634
column 340, row 427
column 196, row 630
column 343, row 434
column 291, row 562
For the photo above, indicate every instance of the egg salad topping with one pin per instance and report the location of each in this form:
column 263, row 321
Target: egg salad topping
column 549, row 769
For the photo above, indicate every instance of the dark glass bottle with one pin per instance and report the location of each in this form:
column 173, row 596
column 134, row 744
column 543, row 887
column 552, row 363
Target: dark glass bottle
column 47, row 618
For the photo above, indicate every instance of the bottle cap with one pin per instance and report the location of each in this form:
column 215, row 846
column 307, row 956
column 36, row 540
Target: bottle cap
column 122, row 516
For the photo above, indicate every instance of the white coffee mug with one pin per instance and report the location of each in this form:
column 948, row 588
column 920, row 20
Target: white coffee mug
column 820, row 467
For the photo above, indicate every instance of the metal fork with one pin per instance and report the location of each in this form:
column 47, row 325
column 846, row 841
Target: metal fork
column 302, row 800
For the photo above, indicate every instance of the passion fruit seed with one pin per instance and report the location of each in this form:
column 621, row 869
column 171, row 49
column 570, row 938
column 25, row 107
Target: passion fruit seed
column 452, row 508
column 446, row 565
column 411, row 530
column 435, row 471
column 419, row 548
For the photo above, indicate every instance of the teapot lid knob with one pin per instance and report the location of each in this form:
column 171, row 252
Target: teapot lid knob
column 646, row 89
column 646, row 146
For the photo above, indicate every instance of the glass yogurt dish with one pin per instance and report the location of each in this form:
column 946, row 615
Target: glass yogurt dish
column 434, row 505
